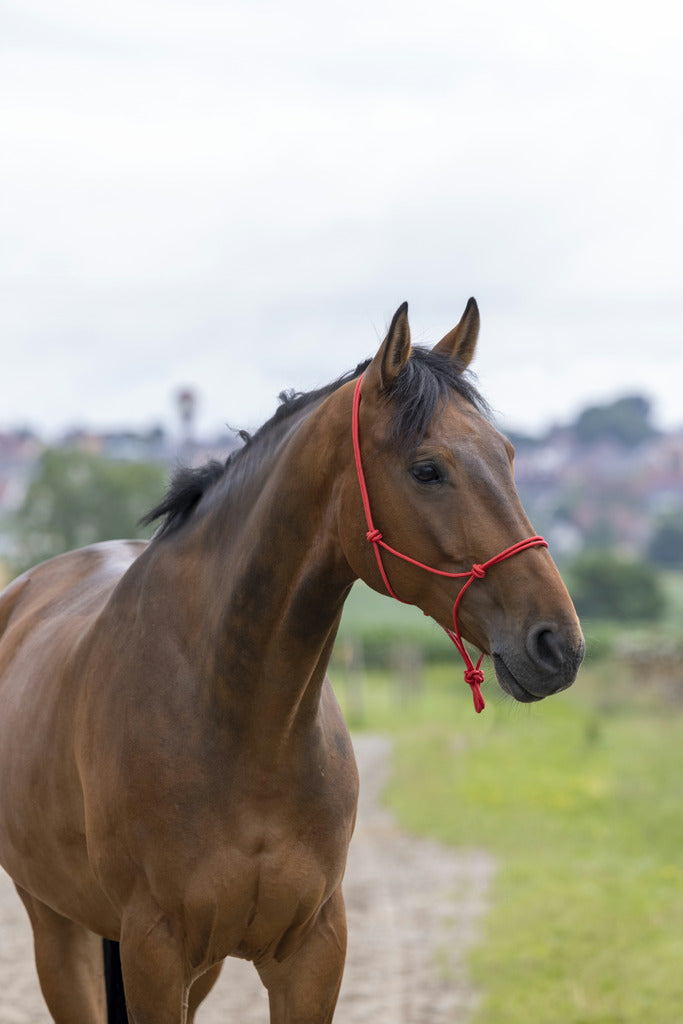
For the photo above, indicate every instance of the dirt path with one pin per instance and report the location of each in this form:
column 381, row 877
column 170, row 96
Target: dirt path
column 413, row 910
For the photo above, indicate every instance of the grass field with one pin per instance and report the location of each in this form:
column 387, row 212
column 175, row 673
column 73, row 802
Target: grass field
column 579, row 799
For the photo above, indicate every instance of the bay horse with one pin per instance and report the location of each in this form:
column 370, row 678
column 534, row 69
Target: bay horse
column 176, row 776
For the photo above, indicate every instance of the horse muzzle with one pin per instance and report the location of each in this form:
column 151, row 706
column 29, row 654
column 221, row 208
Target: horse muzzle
column 547, row 662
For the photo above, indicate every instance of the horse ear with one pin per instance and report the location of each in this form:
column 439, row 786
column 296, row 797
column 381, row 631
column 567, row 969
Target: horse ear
column 461, row 342
column 394, row 351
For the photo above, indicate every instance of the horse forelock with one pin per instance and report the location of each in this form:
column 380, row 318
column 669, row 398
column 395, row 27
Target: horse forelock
column 423, row 384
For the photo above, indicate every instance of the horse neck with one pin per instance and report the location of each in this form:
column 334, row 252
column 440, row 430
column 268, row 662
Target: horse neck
column 269, row 580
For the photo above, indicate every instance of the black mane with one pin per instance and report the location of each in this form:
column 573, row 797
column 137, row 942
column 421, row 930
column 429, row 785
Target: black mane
column 421, row 386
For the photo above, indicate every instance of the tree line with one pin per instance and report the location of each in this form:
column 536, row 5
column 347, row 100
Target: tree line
column 76, row 498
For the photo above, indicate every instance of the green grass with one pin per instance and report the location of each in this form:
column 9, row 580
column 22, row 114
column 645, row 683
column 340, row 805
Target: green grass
column 579, row 799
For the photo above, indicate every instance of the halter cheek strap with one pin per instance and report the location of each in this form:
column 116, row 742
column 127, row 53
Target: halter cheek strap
column 474, row 676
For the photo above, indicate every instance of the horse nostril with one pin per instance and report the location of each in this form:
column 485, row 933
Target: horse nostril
column 545, row 648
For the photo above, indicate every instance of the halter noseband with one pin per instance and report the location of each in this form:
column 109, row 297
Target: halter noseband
column 474, row 676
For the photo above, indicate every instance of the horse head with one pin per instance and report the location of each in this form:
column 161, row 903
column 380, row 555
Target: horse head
column 442, row 513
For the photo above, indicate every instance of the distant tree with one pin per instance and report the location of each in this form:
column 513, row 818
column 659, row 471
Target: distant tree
column 626, row 421
column 77, row 498
column 606, row 586
column 666, row 544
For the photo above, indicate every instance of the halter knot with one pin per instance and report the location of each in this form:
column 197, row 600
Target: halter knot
column 478, row 571
column 374, row 536
column 474, row 676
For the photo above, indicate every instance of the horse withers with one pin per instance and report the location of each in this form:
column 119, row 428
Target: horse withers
column 176, row 775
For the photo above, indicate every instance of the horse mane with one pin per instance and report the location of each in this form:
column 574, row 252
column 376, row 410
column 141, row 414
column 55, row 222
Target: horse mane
column 421, row 386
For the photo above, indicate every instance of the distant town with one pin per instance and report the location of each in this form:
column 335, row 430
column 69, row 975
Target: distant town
column 607, row 480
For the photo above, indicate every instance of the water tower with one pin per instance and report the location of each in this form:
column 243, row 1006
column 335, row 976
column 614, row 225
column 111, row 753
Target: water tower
column 186, row 400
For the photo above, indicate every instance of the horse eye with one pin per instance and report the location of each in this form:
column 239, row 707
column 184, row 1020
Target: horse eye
column 426, row 473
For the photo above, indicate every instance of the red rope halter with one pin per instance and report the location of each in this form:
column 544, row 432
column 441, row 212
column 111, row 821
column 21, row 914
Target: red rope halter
column 474, row 676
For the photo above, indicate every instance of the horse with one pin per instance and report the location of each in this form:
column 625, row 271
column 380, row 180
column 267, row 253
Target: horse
column 177, row 779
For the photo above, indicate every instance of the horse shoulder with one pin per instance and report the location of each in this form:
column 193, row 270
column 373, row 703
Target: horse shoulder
column 44, row 617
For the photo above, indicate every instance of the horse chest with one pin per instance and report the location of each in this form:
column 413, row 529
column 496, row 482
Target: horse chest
column 257, row 894
column 289, row 887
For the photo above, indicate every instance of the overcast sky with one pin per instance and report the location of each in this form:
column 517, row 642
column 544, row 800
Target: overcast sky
column 236, row 196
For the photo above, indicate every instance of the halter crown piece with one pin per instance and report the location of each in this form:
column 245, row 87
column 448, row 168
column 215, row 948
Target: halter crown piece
column 474, row 676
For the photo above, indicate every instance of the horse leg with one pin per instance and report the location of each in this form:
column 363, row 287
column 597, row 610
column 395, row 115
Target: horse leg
column 201, row 988
column 156, row 975
column 69, row 964
column 303, row 989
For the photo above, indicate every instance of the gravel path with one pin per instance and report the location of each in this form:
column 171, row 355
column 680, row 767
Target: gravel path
column 413, row 909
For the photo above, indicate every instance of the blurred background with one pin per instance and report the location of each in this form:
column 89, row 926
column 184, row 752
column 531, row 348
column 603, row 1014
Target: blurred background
column 202, row 204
